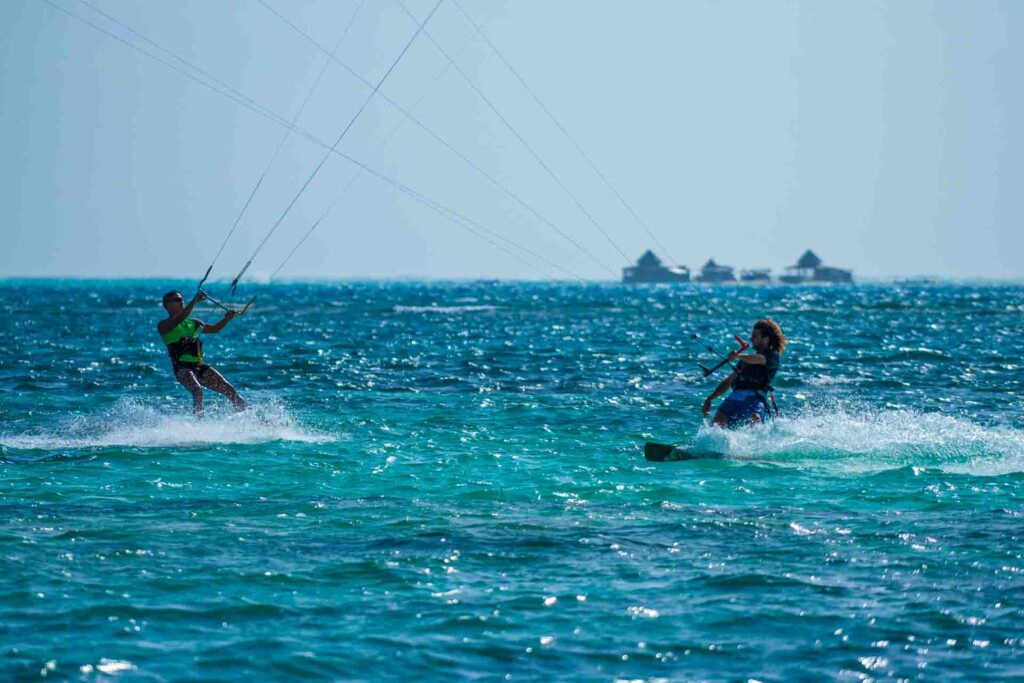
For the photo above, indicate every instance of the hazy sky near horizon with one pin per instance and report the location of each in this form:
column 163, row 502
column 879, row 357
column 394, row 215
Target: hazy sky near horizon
column 884, row 135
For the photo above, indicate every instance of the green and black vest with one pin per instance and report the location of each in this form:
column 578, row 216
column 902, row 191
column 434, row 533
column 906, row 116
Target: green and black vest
column 183, row 343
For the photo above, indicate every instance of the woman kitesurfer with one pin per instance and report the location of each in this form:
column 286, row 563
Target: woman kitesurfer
column 751, row 380
column 181, row 335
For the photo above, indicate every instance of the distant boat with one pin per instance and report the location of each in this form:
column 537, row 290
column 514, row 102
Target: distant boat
column 756, row 275
column 917, row 280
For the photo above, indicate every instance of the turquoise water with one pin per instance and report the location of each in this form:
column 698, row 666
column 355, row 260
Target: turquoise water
column 446, row 481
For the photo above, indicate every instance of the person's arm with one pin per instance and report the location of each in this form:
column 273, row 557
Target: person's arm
column 214, row 329
column 722, row 387
column 170, row 323
column 748, row 358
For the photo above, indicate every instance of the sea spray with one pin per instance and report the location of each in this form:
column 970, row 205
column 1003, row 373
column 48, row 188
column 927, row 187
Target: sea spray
column 135, row 423
column 858, row 439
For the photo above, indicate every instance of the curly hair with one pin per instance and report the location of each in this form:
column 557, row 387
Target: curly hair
column 776, row 339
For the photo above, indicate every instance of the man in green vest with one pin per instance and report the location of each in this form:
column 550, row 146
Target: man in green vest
column 181, row 335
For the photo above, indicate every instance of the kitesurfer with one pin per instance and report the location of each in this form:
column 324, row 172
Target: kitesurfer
column 181, row 335
column 751, row 380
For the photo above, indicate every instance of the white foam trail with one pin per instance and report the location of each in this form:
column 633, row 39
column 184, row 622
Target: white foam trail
column 132, row 424
column 444, row 309
column 862, row 440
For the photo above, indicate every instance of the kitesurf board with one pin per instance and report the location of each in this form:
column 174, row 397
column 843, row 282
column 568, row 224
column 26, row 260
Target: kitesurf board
column 659, row 452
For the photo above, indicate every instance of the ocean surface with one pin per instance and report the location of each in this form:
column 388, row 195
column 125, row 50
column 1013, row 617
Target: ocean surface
column 446, row 481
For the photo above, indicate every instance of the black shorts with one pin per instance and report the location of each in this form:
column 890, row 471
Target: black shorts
column 199, row 370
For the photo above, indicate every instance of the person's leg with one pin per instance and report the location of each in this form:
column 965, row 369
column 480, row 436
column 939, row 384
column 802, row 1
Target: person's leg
column 737, row 410
column 211, row 379
column 721, row 418
column 761, row 411
column 187, row 378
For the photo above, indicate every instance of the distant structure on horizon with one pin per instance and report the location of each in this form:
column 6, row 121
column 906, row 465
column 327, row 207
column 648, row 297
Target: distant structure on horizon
column 756, row 275
column 649, row 268
column 810, row 269
column 713, row 272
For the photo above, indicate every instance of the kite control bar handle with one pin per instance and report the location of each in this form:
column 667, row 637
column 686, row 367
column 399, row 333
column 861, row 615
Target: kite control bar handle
column 228, row 308
column 725, row 359
column 202, row 282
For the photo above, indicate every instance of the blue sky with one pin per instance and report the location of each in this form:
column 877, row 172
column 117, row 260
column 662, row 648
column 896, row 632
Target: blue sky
column 884, row 135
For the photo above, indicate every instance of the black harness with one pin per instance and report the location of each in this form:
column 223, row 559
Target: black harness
column 757, row 378
column 191, row 346
column 753, row 378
